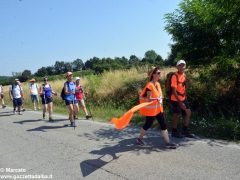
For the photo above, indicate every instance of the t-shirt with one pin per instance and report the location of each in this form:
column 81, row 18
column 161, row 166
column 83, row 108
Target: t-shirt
column 180, row 87
column 16, row 90
column 79, row 92
column 71, row 87
column 33, row 89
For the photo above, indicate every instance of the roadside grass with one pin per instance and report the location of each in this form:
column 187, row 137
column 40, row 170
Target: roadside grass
column 112, row 93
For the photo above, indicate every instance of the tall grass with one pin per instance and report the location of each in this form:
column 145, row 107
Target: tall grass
column 113, row 93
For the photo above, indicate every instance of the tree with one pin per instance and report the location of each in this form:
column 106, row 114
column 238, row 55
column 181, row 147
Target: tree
column 50, row 70
column 150, row 57
column 203, row 29
column 41, row 72
column 77, row 65
column 59, row 67
column 134, row 60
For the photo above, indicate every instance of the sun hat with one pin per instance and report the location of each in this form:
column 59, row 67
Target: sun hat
column 32, row 80
column 77, row 78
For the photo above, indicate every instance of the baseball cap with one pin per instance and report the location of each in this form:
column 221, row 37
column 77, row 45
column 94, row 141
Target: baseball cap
column 77, row 78
column 181, row 62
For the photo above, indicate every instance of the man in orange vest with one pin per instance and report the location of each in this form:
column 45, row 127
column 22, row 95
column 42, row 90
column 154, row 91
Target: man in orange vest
column 153, row 93
column 179, row 103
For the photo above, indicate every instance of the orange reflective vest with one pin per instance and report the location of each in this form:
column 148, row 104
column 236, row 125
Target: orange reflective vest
column 154, row 108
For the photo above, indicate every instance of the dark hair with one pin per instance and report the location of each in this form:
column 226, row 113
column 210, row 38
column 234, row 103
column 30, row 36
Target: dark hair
column 153, row 72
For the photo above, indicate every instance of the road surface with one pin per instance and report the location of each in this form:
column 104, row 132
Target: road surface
column 31, row 147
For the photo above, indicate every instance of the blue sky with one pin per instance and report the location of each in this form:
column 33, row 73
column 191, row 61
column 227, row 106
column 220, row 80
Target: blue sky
column 36, row 33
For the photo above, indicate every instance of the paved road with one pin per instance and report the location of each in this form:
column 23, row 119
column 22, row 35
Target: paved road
column 96, row 151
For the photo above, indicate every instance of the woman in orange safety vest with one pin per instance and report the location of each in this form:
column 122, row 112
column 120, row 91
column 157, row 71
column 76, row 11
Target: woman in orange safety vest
column 152, row 92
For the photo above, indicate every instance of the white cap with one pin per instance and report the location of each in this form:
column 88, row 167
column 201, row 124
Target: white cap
column 181, row 62
column 77, row 78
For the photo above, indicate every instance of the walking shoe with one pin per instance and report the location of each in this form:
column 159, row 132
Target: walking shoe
column 43, row 115
column 50, row 119
column 3, row 106
column 35, row 108
column 140, row 142
column 88, row 116
column 186, row 133
column 176, row 134
column 23, row 109
column 171, row 146
column 19, row 113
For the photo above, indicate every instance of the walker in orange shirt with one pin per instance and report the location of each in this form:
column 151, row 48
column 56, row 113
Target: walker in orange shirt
column 151, row 107
column 179, row 103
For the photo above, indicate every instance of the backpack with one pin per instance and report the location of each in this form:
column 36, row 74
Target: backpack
column 63, row 91
column 168, row 88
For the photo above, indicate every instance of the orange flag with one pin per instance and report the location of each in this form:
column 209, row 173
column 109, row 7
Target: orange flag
column 124, row 120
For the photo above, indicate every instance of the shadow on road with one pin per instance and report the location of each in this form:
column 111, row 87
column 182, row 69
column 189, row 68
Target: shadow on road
column 28, row 121
column 109, row 153
column 45, row 128
column 6, row 113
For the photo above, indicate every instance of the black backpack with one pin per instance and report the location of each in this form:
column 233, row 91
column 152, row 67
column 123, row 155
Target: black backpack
column 168, row 88
column 63, row 91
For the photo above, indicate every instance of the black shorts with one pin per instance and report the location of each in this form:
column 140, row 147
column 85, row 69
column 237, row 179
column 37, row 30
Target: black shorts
column 67, row 102
column 47, row 100
column 175, row 107
column 17, row 102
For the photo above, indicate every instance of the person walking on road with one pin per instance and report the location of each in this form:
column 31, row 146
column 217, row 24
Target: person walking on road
column 16, row 95
column 2, row 97
column 179, row 103
column 33, row 88
column 46, row 93
column 152, row 92
column 80, row 99
column 70, row 99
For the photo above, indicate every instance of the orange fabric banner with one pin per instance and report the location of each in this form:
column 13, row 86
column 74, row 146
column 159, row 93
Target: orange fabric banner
column 124, row 120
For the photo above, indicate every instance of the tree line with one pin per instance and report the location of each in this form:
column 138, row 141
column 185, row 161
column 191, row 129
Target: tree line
column 95, row 64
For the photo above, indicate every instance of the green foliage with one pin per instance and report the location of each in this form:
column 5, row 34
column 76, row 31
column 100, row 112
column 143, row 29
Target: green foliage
column 204, row 29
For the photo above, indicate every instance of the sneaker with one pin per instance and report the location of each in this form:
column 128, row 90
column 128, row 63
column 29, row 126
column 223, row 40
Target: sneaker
column 35, row 109
column 186, row 133
column 20, row 113
column 14, row 112
column 140, row 142
column 3, row 106
column 43, row 115
column 23, row 109
column 171, row 146
column 88, row 116
column 176, row 134
column 50, row 119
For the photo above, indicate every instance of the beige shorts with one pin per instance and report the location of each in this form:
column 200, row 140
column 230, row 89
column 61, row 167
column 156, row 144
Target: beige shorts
column 81, row 102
